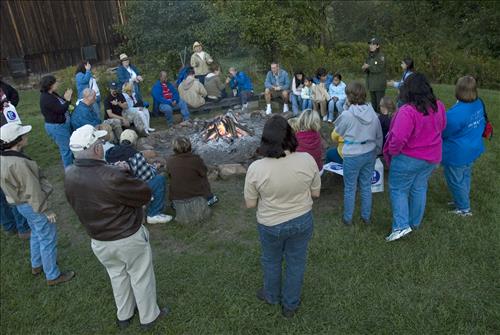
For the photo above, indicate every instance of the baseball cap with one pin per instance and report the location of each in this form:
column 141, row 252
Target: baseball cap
column 10, row 131
column 84, row 137
column 113, row 85
column 129, row 135
column 374, row 40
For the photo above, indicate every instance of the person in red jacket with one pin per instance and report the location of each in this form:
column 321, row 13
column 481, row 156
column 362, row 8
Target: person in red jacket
column 306, row 128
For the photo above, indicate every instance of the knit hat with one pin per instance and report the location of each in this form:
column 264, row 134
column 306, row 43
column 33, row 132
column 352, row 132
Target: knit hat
column 129, row 135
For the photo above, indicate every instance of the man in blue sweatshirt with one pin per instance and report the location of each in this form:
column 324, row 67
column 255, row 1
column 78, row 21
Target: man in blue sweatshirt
column 84, row 112
column 168, row 100
column 242, row 83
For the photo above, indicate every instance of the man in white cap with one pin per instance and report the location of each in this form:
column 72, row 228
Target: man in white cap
column 24, row 186
column 108, row 201
column 200, row 60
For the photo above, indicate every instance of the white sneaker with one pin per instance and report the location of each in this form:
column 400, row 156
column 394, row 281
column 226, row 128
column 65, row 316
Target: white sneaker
column 325, row 118
column 160, row 218
column 245, row 106
column 461, row 212
column 151, row 129
column 396, row 235
column 268, row 110
column 285, row 108
column 330, row 120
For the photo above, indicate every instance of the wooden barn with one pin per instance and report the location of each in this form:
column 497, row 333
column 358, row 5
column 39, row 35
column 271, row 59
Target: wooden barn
column 45, row 35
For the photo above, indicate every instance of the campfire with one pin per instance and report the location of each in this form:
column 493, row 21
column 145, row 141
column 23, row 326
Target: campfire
column 225, row 127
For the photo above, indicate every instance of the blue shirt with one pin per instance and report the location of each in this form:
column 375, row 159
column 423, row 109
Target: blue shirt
column 82, row 115
column 241, row 82
column 282, row 80
column 463, row 135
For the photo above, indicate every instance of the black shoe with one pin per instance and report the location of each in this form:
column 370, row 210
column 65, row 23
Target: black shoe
column 123, row 324
column 163, row 313
column 366, row 221
column 261, row 296
column 288, row 313
column 346, row 223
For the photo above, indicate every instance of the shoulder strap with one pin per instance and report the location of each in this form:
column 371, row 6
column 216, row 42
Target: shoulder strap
column 484, row 110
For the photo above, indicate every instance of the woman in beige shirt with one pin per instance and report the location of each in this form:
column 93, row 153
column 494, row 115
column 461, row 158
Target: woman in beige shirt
column 281, row 185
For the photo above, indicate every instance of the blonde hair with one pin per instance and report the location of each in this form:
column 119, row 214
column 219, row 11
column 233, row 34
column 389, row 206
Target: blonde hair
column 388, row 103
column 128, row 88
column 309, row 120
column 466, row 89
column 294, row 123
column 110, row 137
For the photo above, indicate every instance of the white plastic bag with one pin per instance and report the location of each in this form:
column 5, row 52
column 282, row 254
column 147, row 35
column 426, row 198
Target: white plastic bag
column 377, row 178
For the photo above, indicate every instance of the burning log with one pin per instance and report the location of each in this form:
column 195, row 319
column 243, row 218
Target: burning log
column 225, row 127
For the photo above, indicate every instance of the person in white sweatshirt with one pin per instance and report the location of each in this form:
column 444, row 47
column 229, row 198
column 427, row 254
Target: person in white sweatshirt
column 336, row 90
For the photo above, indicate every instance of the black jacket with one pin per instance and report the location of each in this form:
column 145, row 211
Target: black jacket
column 107, row 200
column 53, row 107
column 10, row 92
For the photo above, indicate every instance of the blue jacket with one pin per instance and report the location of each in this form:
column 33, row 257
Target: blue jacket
column 83, row 115
column 123, row 75
column 283, row 80
column 463, row 135
column 157, row 93
column 241, row 82
column 82, row 82
column 328, row 81
column 400, row 83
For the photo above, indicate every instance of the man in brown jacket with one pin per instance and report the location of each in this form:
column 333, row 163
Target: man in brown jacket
column 25, row 187
column 108, row 200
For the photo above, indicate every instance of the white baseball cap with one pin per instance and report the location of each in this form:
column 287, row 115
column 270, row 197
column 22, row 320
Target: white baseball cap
column 10, row 131
column 84, row 137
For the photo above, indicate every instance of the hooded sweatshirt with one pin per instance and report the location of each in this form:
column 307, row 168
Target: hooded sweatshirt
column 214, row 86
column 361, row 130
column 310, row 142
column 192, row 92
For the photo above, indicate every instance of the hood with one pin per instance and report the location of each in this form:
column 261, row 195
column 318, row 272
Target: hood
column 119, row 153
column 309, row 140
column 187, row 83
column 364, row 113
column 210, row 76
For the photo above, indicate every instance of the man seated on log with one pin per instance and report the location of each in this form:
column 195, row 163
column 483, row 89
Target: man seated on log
column 277, row 84
column 126, row 155
column 166, row 96
column 216, row 89
column 189, row 189
column 239, row 81
column 192, row 91
column 84, row 113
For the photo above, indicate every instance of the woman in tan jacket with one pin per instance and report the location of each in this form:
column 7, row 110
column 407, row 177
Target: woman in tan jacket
column 200, row 60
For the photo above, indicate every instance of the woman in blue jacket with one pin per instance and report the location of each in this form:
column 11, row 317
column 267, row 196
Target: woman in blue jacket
column 127, row 72
column 463, row 142
column 82, row 77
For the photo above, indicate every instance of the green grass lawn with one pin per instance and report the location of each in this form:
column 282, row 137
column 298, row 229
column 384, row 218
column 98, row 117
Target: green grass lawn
column 443, row 278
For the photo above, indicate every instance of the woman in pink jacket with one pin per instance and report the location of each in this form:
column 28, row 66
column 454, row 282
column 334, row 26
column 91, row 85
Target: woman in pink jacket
column 413, row 149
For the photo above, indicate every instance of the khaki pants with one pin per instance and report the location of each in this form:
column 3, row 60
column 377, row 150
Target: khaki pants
column 321, row 105
column 116, row 127
column 129, row 264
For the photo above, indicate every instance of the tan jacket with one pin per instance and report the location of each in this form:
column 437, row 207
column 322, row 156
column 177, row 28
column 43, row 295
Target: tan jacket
column 22, row 181
column 192, row 92
column 201, row 65
column 320, row 93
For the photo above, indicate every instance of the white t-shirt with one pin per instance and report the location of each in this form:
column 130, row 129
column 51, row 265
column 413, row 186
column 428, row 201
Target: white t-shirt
column 133, row 75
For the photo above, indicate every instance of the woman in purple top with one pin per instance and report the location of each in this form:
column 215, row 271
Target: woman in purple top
column 413, row 149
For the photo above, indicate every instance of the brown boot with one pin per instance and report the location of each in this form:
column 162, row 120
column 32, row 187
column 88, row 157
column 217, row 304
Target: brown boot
column 36, row 271
column 63, row 277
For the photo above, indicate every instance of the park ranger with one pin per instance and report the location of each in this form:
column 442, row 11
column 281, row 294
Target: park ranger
column 374, row 68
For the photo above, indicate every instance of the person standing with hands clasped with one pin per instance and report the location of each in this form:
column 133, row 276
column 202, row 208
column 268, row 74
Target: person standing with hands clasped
column 374, row 67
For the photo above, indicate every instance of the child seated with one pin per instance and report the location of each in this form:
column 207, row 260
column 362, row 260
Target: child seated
column 306, row 128
column 387, row 109
column 187, row 174
column 306, row 93
column 334, row 154
column 336, row 90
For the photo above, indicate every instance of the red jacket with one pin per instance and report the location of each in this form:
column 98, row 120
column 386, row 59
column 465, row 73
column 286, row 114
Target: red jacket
column 310, row 142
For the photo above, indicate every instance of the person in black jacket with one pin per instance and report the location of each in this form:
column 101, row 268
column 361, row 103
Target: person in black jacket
column 55, row 112
column 10, row 92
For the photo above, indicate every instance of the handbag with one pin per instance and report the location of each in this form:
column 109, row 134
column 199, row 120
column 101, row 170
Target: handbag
column 488, row 128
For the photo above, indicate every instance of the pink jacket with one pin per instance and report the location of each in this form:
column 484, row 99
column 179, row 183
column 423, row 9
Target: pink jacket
column 416, row 135
column 310, row 142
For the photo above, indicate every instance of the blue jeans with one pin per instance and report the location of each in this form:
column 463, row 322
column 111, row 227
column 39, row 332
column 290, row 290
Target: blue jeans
column 287, row 240
column 296, row 101
column 10, row 218
column 43, row 241
column 157, row 185
column 332, row 155
column 307, row 104
column 331, row 108
column 97, row 107
column 358, row 170
column 60, row 133
column 168, row 111
column 458, row 180
column 244, row 95
column 408, row 179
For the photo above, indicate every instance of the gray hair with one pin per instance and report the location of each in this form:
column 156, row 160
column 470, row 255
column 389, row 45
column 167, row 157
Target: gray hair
column 88, row 153
column 87, row 93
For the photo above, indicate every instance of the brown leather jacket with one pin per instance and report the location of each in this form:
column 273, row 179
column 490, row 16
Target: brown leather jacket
column 107, row 200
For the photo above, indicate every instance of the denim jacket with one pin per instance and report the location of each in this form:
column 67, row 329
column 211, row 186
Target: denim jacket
column 283, row 80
